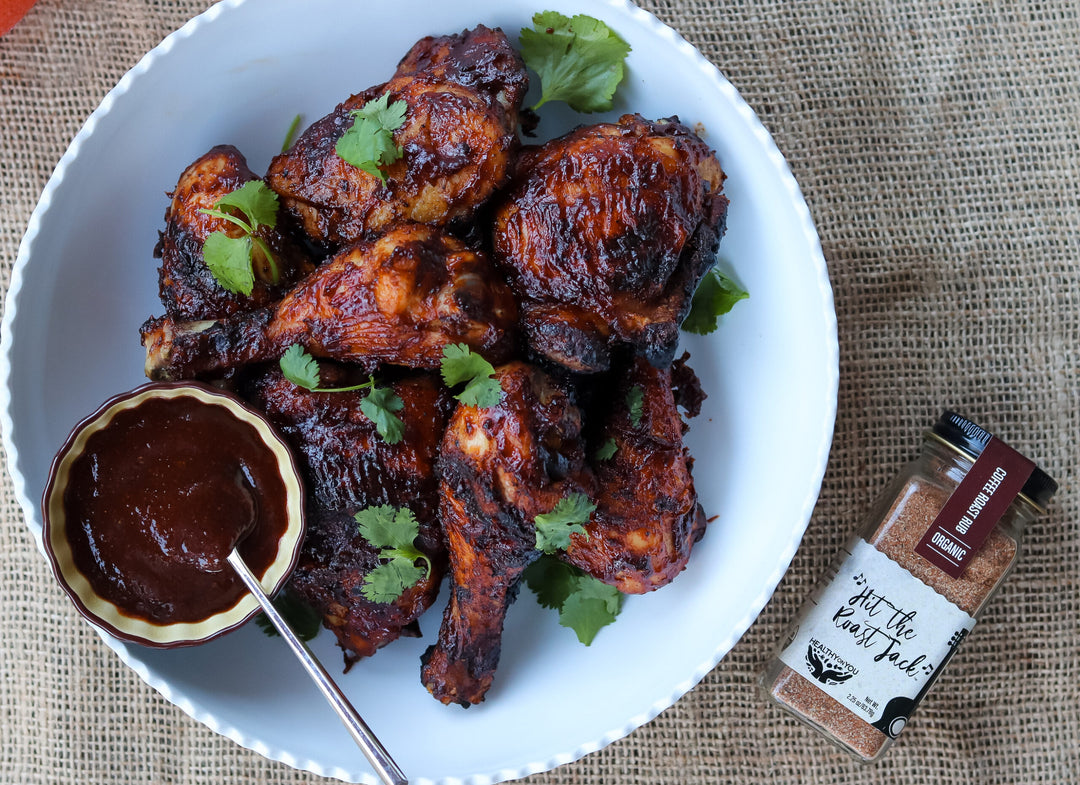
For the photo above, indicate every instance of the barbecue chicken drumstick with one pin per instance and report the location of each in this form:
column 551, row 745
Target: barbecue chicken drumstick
column 348, row 467
column 463, row 93
column 399, row 300
column 187, row 288
column 647, row 518
column 605, row 233
column 499, row 468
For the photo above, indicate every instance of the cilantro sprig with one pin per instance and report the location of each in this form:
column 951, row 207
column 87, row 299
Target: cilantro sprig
column 369, row 143
column 579, row 60
column 393, row 531
column 461, row 364
column 379, row 405
column 231, row 259
column 568, row 516
column 290, row 135
column 585, row 604
column 304, row 620
column 635, row 402
column 607, row 450
column 715, row 296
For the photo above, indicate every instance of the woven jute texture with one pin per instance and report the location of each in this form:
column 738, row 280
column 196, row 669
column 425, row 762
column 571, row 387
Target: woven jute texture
column 938, row 146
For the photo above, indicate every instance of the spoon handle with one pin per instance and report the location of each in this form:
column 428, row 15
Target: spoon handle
column 372, row 748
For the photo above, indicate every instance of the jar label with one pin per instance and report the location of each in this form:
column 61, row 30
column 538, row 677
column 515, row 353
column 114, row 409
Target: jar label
column 974, row 508
column 875, row 638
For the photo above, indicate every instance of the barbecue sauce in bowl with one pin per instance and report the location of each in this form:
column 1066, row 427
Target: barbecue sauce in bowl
column 150, row 495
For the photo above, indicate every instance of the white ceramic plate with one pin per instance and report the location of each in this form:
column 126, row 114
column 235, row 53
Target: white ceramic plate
column 85, row 279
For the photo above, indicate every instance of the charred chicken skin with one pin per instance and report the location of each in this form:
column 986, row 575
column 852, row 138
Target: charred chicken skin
column 345, row 463
column 499, row 468
column 647, row 517
column 605, row 234
column 399, row 299
column 347, row 467
column 463, row 93
column 187, row 288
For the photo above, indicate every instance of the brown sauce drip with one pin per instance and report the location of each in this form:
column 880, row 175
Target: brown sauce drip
column 160, row 496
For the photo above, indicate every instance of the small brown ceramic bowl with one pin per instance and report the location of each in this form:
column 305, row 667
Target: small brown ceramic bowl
column 147, row 496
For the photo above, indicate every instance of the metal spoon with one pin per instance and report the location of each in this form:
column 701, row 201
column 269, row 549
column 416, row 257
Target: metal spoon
column 372, row 748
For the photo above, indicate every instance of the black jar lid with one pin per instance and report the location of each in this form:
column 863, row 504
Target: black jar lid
column 965, row 435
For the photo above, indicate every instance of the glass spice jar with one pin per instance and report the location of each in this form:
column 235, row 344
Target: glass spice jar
column 900, row 597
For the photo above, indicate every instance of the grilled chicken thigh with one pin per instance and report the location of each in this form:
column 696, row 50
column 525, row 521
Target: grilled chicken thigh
column 346, row 464
column 647, row 517
column 605, row 233
column 499, row 468
column 187, row 288
column 347, row 467
column 399, row 299
column 463, row 93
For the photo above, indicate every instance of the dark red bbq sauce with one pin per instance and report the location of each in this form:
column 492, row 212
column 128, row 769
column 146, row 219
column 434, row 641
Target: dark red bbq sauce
column 156, row 501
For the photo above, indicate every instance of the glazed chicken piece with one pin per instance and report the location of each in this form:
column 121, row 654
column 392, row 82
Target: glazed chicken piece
column 499, row 468
column 458, row 140
column 347, row 467
column 330, row 575
column 345, row 463
column 648, row 517
column 187, row 287
column 605, row 234
column 399, row 300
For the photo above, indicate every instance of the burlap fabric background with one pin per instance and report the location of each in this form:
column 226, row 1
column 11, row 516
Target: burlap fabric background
column 938, row 145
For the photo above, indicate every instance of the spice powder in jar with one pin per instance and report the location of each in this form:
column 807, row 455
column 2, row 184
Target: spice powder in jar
column 906, row 590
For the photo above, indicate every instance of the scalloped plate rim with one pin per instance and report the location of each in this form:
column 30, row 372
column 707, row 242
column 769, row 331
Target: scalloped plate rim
column 245, row 740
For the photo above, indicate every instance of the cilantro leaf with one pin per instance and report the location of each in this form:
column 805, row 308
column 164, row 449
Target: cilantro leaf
column 392, row 530
column 229, row 259
column 257, row 202
column 606, row 450
column 390, row 116
column 592, row 606
column 388, row 581
column 551, row 580
column 569, row 516
column 715, row 296
column 635, row 401
column 378, row 405
column 482, row 392
column 579, row 60
column 304, row 620
column 585, row 604
column 461, row 364
column 387, row 526
column 369, row 143
column 299, row 367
